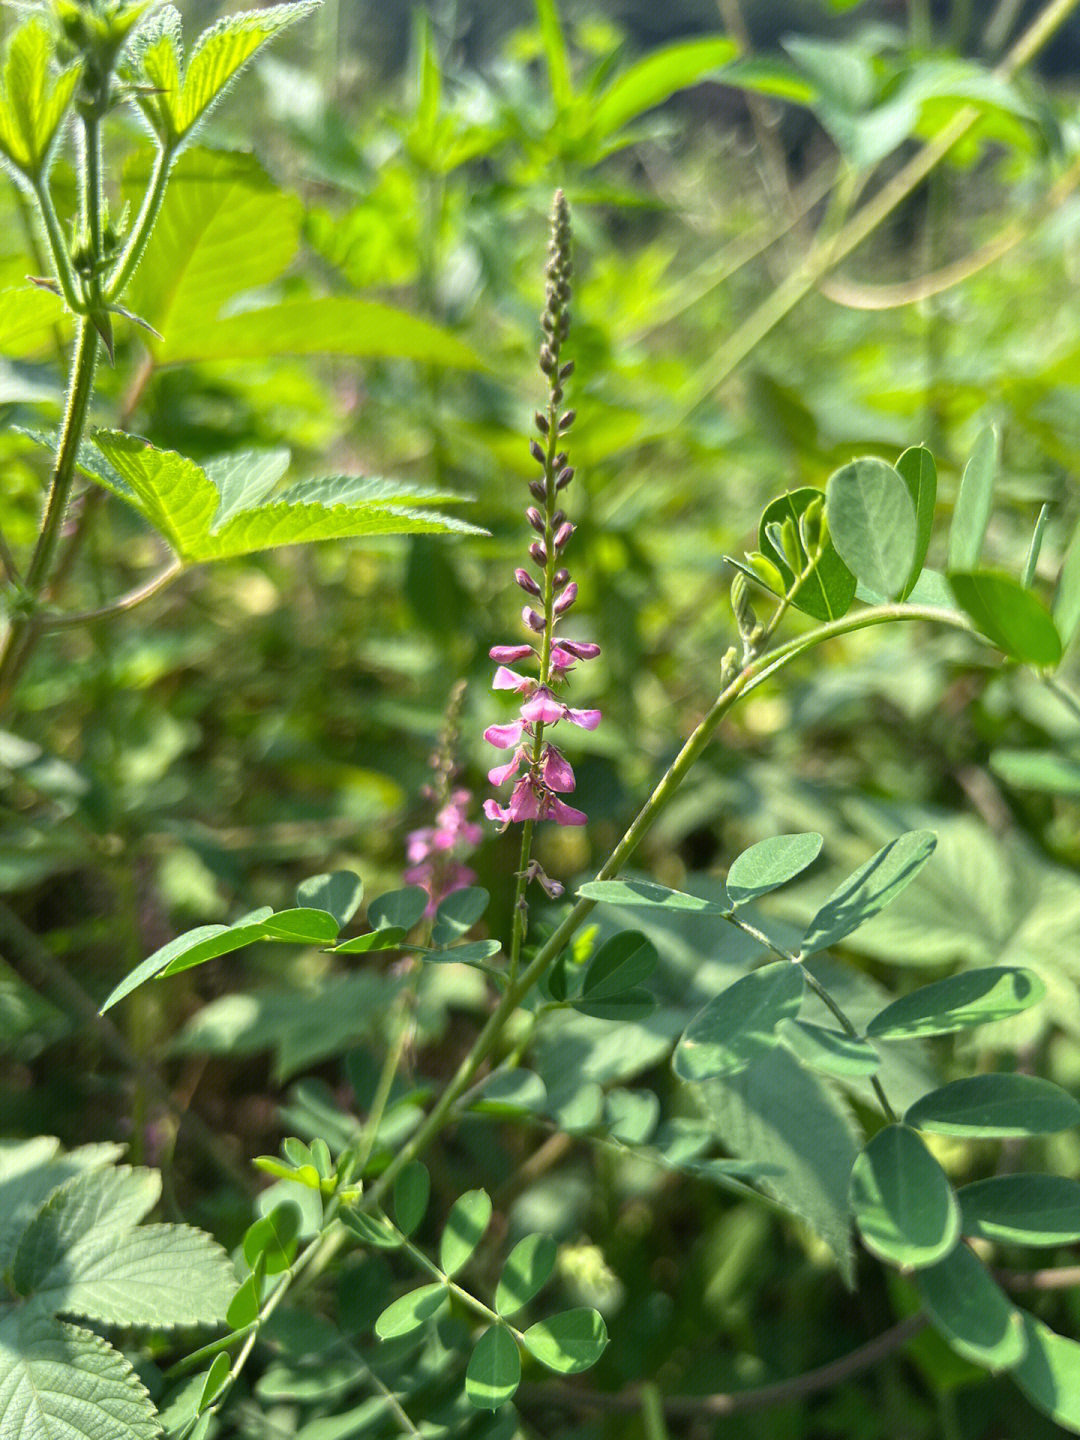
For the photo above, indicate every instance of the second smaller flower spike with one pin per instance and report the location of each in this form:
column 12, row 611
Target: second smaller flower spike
column 539, row 770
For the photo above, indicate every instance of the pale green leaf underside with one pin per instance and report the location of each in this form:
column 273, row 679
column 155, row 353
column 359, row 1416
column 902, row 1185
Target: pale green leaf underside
column 180, row 500
column 59, row 1382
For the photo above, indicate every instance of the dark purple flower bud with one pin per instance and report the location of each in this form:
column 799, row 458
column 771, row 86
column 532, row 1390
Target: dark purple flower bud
column 547, row 359
column 547, row 320
column 536, row 450
column 567, row 370
column 560, row 577
column 533, row 620
column 583, row 649
column 538, row 553
column 556, row 394
column 566, row 421
column 564, row 322
column 566, row 599
column 538, row 489
column 527, row 583
column 535, row 519
column 511, row 654
column 562, row 535
column 559, row 461
column 541, row 422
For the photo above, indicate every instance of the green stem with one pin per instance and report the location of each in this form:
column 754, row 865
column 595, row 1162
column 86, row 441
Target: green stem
column 120, row 606
column 24, row 632
column 141, row 231
column 58, row 247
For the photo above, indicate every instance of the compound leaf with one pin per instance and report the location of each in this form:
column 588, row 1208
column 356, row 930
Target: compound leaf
column 1014, row 618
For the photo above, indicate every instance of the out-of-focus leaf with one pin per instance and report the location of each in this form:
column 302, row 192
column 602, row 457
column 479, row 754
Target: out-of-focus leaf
column 1014, row 618
column 972, row 513
column 656, row 78
column 974, row 1314
column 995, row 1107
column 1022, row 1209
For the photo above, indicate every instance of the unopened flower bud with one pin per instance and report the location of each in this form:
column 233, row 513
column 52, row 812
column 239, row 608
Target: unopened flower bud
column 533, row 620
column 538, row 489
column 561, row 577
column 766, row 572
column 559, row 461
column 527, row 583
column 564, row 477
column 541, row 422
column 562, row 535
column 547, row 359
column 557, row 519
column 536, row 450
column 535, row 519
column 565, row 421
column 538, row 553
column 566, row 599
column 566, row 370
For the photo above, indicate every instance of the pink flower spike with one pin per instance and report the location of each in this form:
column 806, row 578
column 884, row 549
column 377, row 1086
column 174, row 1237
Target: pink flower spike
column 505, row 679
column 557, row 772
column 510, row 654
column 503, row 736
column 583, row 649
column 542, row 708
column 562, row 659
column 524, row 801
column 503, row 772
column 566, row 814
column 587, row 719
column 532, row 620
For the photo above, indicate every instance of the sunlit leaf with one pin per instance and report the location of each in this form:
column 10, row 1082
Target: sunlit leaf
column 902, row 1201
column 974, row 1314
column 527, row 1270
column 1014, row 618
column 1024, row 1209
column 465, row 1225
column 829, row 1052
column 739, row 1025
column 1049, row 1373
column 769, row 864
column 494, row 1371
column 868, row 891
column 872, row 524
column 974, row 997
column 828, row 591
column 995, row 1106
column 411, row 1311
column 568, row 1343
column 657, row 77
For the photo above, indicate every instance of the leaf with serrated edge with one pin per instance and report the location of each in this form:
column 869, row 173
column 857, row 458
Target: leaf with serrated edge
column 59, row 1380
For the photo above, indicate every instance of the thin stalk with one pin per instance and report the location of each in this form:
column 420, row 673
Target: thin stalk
column 832, row 1005
column 58, row 247
column 7, row 560
column 143, row 227
column 119, row 606
column 23, row 632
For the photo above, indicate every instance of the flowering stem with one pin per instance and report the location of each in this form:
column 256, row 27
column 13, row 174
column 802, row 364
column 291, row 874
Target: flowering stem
column 746, row 680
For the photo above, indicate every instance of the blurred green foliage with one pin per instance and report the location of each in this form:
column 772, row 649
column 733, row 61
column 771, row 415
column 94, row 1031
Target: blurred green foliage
column 272, row 716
